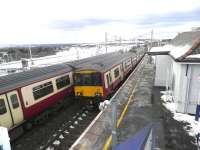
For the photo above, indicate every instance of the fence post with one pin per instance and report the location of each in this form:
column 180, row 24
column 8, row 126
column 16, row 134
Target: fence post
column 114, row 123
column 197, row 113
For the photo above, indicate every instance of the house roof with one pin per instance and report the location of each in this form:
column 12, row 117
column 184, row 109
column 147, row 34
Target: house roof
column 185, row 38
column 181, row 47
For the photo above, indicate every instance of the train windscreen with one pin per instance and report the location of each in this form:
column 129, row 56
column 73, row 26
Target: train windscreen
column 92, row 79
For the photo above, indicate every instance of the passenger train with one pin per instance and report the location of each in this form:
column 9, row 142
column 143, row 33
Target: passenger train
column 26, row 96
column 96, row 81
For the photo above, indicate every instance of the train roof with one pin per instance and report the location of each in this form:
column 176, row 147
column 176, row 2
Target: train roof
column 20, row 79
column 12, row 81
column 105, row 63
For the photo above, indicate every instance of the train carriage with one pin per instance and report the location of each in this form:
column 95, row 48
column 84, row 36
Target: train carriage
column 25, row 95
column 97, row 80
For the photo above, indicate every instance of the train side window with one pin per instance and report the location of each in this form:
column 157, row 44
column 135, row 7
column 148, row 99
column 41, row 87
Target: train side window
column 14, row 101
column 110, row 79
column 107, row 78
column 42, row 90
column 62, row 82
column 127, row 64
column 2, row 107
column 116, row 72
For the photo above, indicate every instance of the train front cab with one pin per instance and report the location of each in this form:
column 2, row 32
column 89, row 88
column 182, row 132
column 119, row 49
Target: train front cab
column 88, row 86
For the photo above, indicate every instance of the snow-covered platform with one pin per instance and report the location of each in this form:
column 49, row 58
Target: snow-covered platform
column 133, row 110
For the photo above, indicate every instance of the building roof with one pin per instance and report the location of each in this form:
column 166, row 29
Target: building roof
column 185, row 38
column 181, row 47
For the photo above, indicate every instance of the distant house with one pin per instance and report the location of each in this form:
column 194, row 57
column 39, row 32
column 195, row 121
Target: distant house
column 3, row 56
column 178, row 69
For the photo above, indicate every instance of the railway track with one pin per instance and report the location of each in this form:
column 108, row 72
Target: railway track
column 59, row 132
column 68, row 132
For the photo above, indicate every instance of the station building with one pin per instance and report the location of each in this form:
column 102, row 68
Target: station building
column 178, row 69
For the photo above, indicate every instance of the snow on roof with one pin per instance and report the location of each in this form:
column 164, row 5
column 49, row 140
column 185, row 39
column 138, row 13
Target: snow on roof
column 178, row 51
column 175, row 51
column 159, row 49
column 194, row 56
column 186, row 43
column 186, row 38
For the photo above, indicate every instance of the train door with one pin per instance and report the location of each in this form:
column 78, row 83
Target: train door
column 5, row 115
column 108, row 81
column 15, row 107
column 122, row 71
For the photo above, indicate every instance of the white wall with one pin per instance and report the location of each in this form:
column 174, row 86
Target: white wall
column 186, row 92
column 194, row 89
column 179, row 85
column 183, row 80
column 163, row 63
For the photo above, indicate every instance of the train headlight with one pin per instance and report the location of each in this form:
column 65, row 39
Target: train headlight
column 79, row 94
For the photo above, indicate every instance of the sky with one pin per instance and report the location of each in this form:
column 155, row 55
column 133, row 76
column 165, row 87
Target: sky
column 71, row 21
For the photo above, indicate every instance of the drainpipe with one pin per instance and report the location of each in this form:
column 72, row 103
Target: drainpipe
column 188, row 73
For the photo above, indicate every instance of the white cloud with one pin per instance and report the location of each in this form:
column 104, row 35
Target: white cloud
column 27, row 21
column 45, row 10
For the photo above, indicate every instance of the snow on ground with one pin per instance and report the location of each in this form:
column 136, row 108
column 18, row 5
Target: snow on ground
column 73, row 53
column 56, row 142
column 84, row 115
column 67, row 132
column 79, row 118
column 170, row 105
column 159, row 49
column 3, row 73
column 4, row 139
column 72, row 127
column 61, row 136
column 50, row 148
column 76, row 122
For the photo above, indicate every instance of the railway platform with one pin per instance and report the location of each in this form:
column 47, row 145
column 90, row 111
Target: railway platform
column 134, row 113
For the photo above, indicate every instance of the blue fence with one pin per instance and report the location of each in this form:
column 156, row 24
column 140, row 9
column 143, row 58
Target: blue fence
column 138, row 141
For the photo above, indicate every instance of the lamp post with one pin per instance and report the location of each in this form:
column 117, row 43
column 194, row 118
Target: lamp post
column 30, row 53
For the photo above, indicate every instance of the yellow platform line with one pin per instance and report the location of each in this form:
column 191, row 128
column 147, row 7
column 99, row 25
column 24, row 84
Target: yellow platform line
column 109, row 140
